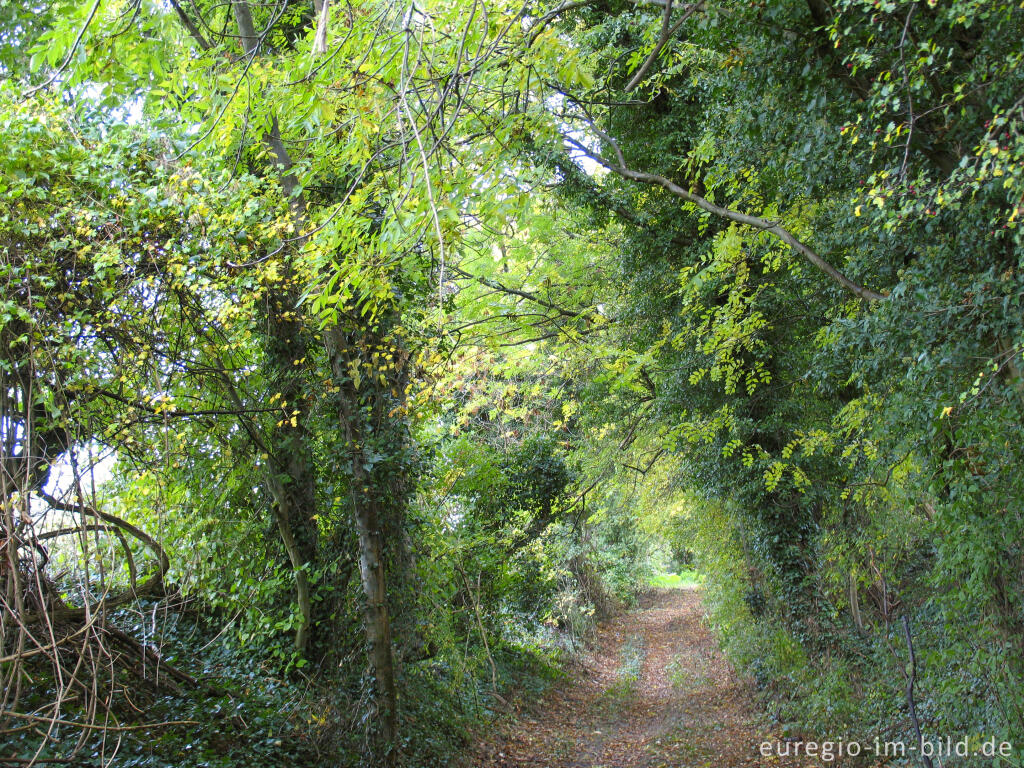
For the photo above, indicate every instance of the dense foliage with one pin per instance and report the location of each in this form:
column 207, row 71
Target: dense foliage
column 355, row 359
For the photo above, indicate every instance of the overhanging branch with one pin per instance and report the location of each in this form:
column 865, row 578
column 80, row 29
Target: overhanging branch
column 620, row 167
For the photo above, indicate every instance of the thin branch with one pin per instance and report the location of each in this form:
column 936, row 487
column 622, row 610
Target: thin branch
column 911, row 119
column 67, row 59
column 152, row 409
column 516, row 292
column 547, row 18
column 911, row 677
column 90, row 726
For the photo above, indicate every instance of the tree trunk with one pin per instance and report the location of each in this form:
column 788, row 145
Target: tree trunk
column 378, row 621
column 366, row 511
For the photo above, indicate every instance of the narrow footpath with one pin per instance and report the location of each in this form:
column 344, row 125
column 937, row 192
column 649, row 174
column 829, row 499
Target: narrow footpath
column 655, row 692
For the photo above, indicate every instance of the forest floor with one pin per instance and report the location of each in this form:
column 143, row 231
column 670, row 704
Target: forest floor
column 654, row 692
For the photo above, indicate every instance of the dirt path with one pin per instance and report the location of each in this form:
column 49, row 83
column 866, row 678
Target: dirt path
column 655, row 692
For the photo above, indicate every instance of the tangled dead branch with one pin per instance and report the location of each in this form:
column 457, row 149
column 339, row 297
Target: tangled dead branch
column 63, row 660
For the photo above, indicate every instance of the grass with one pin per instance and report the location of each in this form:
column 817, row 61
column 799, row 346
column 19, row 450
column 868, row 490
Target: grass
column 631, row 665
column 688, row 672
column 686, row 578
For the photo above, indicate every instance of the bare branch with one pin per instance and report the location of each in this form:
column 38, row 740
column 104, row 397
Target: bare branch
column 189, row 25
column 664, row 37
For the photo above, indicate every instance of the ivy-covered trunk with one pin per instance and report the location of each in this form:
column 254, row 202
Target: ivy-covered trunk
column 290, row 461
column 368, row 421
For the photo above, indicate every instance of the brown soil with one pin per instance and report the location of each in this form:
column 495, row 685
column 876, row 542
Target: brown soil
column 655, row 692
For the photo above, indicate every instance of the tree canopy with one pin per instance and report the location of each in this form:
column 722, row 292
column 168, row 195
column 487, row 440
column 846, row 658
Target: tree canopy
column 356, row 358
